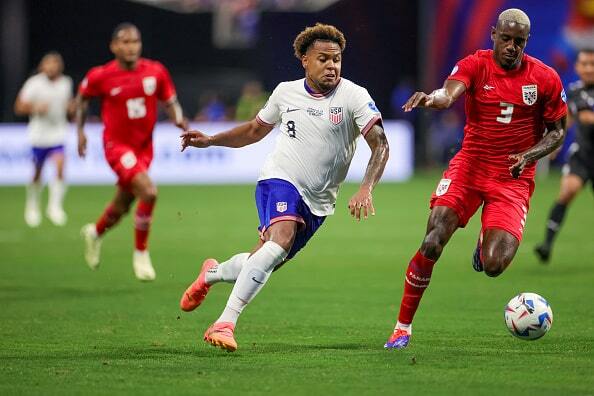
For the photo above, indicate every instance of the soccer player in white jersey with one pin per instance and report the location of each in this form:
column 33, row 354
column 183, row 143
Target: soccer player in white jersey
column 46, row 98
column 320, row 118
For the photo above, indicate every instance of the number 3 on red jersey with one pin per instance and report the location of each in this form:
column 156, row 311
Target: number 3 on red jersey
column 136, row 108
column 506, row 113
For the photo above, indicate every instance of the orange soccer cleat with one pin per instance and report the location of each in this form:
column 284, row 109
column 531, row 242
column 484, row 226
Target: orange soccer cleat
column 221, row 335
column 196, row 292
column 398, row 340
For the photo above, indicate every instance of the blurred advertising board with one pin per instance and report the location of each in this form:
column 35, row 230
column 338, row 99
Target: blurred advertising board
column 215, row 165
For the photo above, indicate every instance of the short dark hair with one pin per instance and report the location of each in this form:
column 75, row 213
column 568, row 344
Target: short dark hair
column 52, row 54
column 123, row 26
column 318, row 32
column 586, row 51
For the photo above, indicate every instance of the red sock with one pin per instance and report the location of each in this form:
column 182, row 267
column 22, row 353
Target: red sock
column 142, row 223
column 418, row 275
column 108, row 219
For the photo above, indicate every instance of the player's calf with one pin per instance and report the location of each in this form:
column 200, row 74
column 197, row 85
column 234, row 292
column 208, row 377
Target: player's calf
column 494, row 264
column 497, row 251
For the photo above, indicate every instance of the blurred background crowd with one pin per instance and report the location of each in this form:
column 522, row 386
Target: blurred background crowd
column 226, row 56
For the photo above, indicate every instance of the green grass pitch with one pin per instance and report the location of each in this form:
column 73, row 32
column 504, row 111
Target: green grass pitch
column 317, row 327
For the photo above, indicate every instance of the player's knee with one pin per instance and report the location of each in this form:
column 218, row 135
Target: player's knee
column 285, row 240
column 566, row 197
column 149, row 194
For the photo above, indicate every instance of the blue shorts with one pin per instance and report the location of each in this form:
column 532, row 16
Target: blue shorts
column 40, row 154
column 279, row 200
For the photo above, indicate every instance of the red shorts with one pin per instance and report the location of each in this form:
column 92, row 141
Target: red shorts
column 505, row 200
column 127, row 161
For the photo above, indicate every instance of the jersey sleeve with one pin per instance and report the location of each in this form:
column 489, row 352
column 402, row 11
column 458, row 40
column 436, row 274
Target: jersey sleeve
column 365, row 112
column 90, row 86
column 577, row 102
column 27, row 93
column 270, row 114
column 165, row 89
column 555, row 105
column 465, row 71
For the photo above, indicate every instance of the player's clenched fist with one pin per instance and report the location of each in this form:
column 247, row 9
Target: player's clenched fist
column 194, row 139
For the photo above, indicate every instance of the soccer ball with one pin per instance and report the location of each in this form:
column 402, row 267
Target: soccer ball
column 528, row 316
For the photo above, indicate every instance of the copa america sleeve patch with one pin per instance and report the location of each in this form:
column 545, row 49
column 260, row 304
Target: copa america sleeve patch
column 443, row 186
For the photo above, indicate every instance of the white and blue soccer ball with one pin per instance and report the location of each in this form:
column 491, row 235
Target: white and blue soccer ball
column 528, row 316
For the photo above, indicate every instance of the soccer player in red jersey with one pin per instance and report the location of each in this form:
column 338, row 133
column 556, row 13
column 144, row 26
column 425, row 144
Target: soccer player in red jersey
column 129, row 88
column 511, row 99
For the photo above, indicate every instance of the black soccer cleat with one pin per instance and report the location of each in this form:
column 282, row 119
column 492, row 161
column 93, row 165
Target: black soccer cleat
column 477, row 264
column 543, row 252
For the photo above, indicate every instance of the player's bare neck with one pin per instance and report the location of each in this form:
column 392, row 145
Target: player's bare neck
column 313, row 87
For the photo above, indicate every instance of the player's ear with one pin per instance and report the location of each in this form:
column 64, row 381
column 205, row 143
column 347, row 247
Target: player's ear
column 493, row 33
column 304, row 61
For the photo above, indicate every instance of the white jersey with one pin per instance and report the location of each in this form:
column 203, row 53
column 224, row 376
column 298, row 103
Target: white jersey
column 318, row 137
column 49, row 129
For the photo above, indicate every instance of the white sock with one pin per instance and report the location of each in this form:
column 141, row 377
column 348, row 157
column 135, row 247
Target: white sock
column 402, row 326
column 33, row 194
column 227, row 271
column 57, row 189
column 251, row 279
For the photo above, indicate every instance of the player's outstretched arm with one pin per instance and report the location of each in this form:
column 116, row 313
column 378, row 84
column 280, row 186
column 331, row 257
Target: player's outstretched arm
column 362, row 201
column 81, row 106
column 175, row 113
column 549, row 143
column 441, row 98
column 242, row 135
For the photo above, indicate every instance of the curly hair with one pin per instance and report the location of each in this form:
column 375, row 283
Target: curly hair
column 318, row 32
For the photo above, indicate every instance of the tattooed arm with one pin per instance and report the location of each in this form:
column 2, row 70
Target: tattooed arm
column 549, row 143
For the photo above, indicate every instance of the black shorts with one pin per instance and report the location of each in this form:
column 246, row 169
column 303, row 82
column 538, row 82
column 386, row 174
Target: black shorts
column 576, row 165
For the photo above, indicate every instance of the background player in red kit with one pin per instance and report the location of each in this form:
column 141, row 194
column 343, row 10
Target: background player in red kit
column 510, row 99
column 129, row 88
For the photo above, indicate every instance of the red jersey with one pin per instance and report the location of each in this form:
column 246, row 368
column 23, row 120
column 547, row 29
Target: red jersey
column 129, row 99
column 506, row 109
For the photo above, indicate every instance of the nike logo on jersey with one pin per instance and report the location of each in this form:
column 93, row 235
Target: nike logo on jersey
column 254, row 279
column 290, row 110
column 488, row 87
column 115, row 91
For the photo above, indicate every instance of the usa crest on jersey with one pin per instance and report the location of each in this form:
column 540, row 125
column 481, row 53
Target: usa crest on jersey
column 335, row 115
column 149, row 84
column 281, row 207
column 529, row 94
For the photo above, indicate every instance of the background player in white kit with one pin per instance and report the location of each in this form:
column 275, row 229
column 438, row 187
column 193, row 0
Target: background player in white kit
column 320, row 118
column 46, row 98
